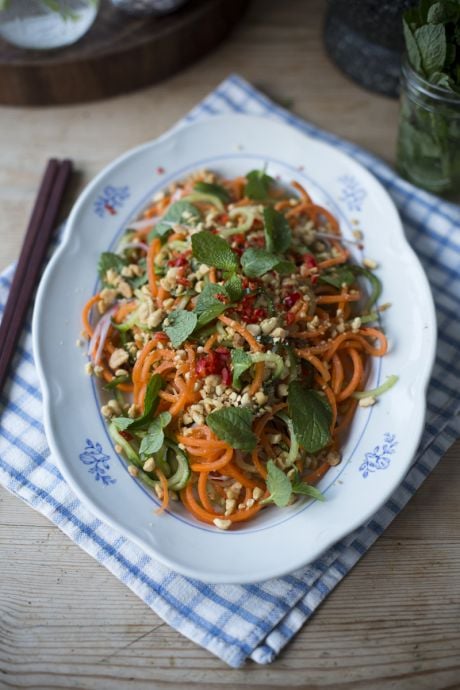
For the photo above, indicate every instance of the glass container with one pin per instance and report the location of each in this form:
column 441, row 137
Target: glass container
column 45, row 24
column 428, row 152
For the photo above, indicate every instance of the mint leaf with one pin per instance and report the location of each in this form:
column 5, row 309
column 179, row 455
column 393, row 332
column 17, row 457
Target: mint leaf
column 241, row 361
column 234, row 288
column 154, row 386
column 233, row 425
column 257, row 185
column 175, row 214
column 154, row 439
column 413, row 52
column 107, row 261
column 338, row 277
column 208, row 307
column 256, row 262
column 181, row 324
column 442, row 12
column 431, row 42
column 311, row 416
column 277, row 231
column 214, row 189
column 307, row 490
column 278, row 485
column 214, row 251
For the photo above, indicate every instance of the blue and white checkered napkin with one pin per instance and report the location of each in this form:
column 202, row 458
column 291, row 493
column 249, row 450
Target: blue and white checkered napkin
column 253, row 621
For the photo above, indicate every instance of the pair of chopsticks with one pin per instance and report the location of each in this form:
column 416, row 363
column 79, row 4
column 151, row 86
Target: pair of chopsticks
column 33, row 253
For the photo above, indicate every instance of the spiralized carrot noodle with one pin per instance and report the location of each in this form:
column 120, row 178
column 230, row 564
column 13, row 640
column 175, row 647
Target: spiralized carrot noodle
column 227, row 340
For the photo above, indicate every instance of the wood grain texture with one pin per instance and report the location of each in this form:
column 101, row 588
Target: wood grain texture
column 65, row 622
column 117, row 55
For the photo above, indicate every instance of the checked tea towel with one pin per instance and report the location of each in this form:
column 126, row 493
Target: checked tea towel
column 253, row 621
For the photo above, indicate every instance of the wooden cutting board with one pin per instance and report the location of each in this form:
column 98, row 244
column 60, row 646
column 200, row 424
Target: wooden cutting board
column 118, row 54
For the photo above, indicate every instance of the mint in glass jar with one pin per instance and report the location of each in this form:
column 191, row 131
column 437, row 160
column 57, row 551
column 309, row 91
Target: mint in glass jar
column 429, row 130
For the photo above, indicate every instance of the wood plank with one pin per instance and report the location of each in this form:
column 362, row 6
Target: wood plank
column 394, row 620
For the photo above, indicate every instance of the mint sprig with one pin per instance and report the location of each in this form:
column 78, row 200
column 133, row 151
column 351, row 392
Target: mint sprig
column 154, row 438
column 154, row 386
column 182, row 323
column 257, row 185
column 281, row 487
column 213, row 251
column 277, row 231
column 213, row 189
column 233, row 425
column 179, row 212
column 241, row 361
column 256, row 262
column 311, row 416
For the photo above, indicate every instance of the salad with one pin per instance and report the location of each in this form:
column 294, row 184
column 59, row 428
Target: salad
column 233, row 334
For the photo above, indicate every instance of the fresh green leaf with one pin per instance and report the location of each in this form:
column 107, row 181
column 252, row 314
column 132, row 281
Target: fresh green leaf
column 182, row 323
column 278, row 485
column 234, row 288
column 255, row 262
column 138, row 281
column 214, row 189
column 277, row 231
column 442, row 79
column 107, row 261
column 154, row 386
column 214, row 251
column 212, row 312
column 338, row 277
column 208, row 306
column 285, row 267
column 116, row 381
column 179, row 212
column 413, row 52
column 154, row 439
column 257, row 185
column 431, row 42
column 233, row 425
column 443, row 12
column 307, row 490
column 311, row 416
column 241, row 361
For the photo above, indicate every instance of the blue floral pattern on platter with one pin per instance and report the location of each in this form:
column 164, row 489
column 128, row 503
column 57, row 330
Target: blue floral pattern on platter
column 379, row 458
column 111, row 199
column 352, row 193
column 98, row 462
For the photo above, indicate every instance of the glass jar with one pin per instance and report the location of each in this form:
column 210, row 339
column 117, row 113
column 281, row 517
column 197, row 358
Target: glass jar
column 428, row 152
column 45, row 24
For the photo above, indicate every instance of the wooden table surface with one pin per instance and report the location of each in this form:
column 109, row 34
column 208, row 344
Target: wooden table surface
column 65, row 622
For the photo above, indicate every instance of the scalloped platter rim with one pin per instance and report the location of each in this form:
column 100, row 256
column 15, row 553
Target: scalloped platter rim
column 384, row 438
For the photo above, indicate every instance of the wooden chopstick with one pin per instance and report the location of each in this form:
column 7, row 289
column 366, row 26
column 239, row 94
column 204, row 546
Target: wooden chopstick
column 33, row 253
